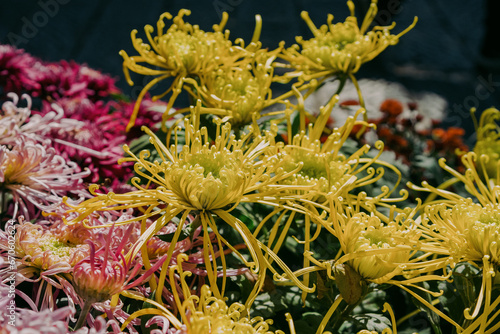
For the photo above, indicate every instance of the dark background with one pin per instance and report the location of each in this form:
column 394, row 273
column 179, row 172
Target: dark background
column 452, row 51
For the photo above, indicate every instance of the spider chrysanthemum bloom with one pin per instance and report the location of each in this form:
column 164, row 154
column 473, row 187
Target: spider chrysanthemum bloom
column 209, row 314
column 181, row 51
column 488, row 142
column 46, row 255
column 375, row 250
column 37, row 177
column 97, row 279
column 199, row 178
column 106, row 272
column 317, row 170
column 340, row 48
column 239, row 92
column 322, row 171
column 45, row 250
column 319, row 167
column 212, row 315
column 468, row 231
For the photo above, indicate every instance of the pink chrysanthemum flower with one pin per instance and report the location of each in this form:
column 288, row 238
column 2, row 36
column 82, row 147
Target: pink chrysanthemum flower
column 106, row 272
column 36, row 177
column 96, row 145
column 45, row 255
column 16, row 70
column 17, row 121
column 69, row 79
column 46, row 321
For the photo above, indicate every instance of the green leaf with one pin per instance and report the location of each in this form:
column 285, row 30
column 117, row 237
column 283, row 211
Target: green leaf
column 433, row 317
column 371, row 322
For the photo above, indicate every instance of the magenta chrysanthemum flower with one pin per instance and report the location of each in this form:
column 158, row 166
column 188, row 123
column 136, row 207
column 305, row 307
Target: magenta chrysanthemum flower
column 96, row 143
column 36, row 178
column 150, row 115
column 16, row 70
column 69, row 79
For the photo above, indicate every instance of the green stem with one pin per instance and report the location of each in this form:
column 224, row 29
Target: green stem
column 3, row 206
column 194, row 226
column 342, row 80
column 83, row 315
column 339, row 320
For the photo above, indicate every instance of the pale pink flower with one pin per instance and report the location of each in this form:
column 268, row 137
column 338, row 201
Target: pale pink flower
column 17, row 121
column 96, row 143
column 36, row 177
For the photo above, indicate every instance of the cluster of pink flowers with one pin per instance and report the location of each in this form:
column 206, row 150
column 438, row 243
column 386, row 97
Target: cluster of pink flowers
column 73, row 138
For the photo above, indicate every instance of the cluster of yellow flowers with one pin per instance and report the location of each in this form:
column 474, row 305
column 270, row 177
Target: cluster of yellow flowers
column 301, row 176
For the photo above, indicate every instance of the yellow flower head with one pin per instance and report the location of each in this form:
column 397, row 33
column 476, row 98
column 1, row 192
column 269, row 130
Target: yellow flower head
column 213, row 316
column 183, row 50
column 207, row 314
column 468, row 230
column 342, row 47
column 375, row 250
column 201, row 178
column 318, row 170
column 241, row 92
column 203, row 175
column 488, row 142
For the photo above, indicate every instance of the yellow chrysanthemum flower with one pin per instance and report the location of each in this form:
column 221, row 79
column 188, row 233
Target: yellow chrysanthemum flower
column 182, row 51
column 375, row 250
column 468, row 232
column 202, row 178
column 466, row 229
column 205, row 313
column 340, row 48
column 391, row 247
column 318, row 170
column 488, row 143
column 238, row 93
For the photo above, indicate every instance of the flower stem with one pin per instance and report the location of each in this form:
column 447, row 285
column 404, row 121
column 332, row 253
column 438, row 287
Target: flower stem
column 83, row 315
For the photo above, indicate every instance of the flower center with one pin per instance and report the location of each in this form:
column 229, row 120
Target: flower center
column 208, row 179
column 44, row 249
column 490, row 218
column 55, row 246
column 211, row 163
column 377, row 238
